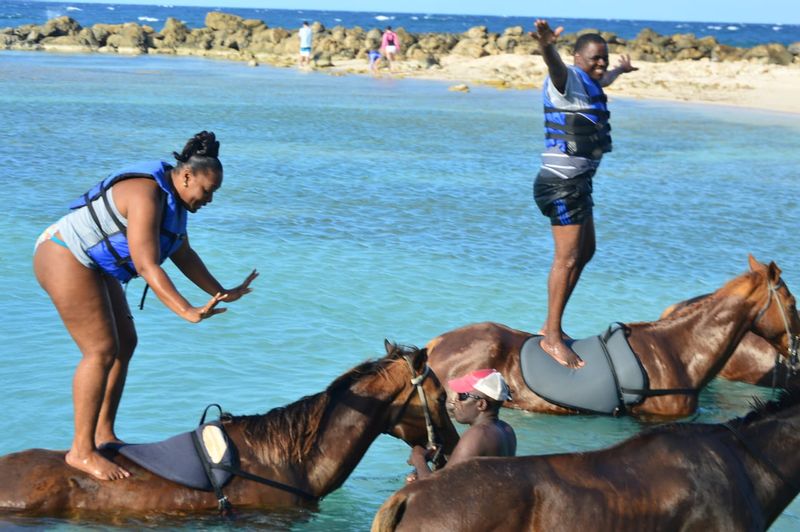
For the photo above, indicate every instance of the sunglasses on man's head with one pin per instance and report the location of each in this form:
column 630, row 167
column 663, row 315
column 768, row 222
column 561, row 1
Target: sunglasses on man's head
column 463, row 396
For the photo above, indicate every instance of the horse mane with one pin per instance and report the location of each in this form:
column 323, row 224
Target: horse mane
column 786, row 399
column 690, row 307
column 289, row 433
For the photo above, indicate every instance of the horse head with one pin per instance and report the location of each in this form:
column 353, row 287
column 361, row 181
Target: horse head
column 419, row 413
column 776, row 320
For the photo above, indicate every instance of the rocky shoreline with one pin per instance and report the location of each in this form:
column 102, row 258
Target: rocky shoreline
column 233, row 37
column 677, row 67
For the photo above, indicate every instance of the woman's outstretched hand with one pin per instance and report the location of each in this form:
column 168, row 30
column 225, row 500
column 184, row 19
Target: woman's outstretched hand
column 198, row 314
column 235, row 293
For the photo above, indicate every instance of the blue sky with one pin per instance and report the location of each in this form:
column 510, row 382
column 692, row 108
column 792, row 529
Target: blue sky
column 763, row 11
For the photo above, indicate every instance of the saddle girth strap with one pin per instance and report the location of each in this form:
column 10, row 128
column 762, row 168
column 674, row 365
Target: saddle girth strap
column 645, row 392
column 225, row 506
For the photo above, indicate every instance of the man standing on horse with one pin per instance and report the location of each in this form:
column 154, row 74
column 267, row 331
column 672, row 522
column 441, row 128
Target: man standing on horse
column 576, row 137
column 479, row 396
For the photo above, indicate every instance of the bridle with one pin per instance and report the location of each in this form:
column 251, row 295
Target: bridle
column 417, row 382
column 794, row 339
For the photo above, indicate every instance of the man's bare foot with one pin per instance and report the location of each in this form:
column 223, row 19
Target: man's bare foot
column 96, row 465
column 106, row 438
column 562, row 353
column 564, row 336
column 110, row 441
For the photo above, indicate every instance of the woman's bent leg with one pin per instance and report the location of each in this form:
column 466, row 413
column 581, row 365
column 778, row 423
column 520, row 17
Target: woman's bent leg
column 126, row 334
column 82, row 300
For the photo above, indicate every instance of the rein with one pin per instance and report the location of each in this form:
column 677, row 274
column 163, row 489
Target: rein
column 760, row 456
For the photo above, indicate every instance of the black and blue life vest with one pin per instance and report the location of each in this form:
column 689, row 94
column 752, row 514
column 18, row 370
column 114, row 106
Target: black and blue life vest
column 581, row 132
column 111, row 253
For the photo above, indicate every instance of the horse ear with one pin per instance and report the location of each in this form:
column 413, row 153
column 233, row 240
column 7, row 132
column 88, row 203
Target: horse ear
column 754, row 264
column 774, row 272
column 420, row 358
column 389, row 346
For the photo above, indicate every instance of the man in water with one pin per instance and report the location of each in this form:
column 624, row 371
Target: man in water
column 305, row 35
column 479, row 396
column 576, row 137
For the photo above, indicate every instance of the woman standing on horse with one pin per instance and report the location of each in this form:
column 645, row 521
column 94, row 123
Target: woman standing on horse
column 125, row 226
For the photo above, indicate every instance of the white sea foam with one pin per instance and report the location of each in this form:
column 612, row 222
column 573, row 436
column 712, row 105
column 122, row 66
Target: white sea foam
column 383, row 17
column 776, row 28
column 73, row 8
column 148, row 19
column 414, row 18
column 110, row 8
column 732, row 28
column 337, row 19
column 714, row 27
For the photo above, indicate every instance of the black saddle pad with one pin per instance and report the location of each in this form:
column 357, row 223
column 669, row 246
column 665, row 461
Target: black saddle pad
column 591, row 388
column 177, row 458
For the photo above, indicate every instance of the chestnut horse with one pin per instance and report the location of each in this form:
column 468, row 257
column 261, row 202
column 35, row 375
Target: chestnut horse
column 311, row 445
column 738, row 475
column 681, row 352
column 754, row 361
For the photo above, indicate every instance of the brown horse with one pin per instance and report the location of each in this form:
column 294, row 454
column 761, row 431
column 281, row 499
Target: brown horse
column 754, row 361
column 739, row 475
column 311, row 445
column 682, row 352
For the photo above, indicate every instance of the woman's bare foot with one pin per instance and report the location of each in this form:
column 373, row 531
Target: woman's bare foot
column 561, row 353
column 96, row 465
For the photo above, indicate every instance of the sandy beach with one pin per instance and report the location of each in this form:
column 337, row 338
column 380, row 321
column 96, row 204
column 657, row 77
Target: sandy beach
column 680, row 67
column 736, row 83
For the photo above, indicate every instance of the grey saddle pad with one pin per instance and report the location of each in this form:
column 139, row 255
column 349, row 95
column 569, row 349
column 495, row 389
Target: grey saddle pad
column 177, row 458
column 597, row 386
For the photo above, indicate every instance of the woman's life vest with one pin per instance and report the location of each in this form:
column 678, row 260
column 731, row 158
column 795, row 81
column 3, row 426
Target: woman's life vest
column 581, row 132
column 111, row 253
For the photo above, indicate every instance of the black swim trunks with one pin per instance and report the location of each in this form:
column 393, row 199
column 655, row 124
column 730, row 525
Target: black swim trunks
column 564, row 201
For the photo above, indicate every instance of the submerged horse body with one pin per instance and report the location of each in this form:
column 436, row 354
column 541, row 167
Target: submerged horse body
column 681, row 352
column 738, row 475
column 311, row 445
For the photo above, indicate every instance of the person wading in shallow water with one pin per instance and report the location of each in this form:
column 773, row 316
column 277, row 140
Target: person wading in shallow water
column 576, row 137
column 477, row 401
column 125, row 226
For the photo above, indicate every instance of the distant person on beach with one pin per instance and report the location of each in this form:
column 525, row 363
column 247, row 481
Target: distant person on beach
column 124, row 226
column 306, row 36
column 576, row 137
column 374, row 61
column 477, row 401
column 390, row 45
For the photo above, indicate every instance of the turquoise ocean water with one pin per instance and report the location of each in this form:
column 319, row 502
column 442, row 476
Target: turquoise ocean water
column 373, row 208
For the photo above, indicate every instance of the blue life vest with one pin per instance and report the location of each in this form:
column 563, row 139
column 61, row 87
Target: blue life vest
column 581, row 132
column 111, row 254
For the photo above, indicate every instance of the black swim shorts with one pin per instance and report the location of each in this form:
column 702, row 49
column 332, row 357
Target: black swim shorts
column 564, row 201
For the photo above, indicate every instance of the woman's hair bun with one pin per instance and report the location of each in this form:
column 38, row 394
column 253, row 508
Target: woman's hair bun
column 203, row 144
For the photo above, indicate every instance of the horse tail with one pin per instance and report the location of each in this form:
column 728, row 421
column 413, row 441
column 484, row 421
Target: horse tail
column 390, row 513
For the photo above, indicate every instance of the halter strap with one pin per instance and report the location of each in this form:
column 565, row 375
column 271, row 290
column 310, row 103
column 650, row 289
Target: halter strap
column 794, row 339
column 416, row 382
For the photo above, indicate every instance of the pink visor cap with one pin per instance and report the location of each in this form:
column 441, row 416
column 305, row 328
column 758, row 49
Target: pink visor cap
column 489, row 382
